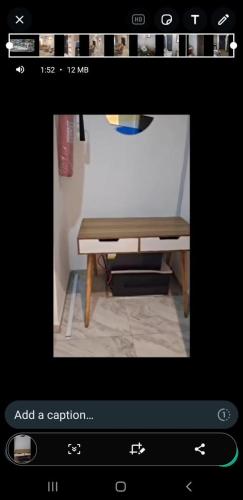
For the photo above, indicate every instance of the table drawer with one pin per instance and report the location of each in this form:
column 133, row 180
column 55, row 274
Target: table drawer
column 123, row 245
column 164, row 244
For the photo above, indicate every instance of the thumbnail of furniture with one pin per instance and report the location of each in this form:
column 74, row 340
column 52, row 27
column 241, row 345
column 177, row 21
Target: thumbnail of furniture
column 128, row 235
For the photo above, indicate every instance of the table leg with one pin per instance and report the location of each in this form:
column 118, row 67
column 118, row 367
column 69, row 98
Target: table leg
column 185, row 280
column 95, row 266
column 89, row 282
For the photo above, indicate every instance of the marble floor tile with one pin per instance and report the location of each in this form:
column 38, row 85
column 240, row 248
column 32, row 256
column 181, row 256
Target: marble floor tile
column 108, row 319
column 146, row 326
column 162, row 316
column 108, row 316
column 106, row 347
column 159, row 346
column 156, row 314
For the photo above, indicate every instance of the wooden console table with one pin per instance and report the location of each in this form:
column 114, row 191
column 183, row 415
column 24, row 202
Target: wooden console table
column 134, row 235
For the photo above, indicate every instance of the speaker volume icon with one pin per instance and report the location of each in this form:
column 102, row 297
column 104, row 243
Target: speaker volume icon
column 20, row 69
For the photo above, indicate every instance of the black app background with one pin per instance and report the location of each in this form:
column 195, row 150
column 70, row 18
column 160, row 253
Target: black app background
column 208, row 90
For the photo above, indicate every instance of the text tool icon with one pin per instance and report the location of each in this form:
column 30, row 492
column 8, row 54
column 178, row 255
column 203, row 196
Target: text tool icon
column 166, row 19
column 223, row 19
column 199, row 448
column 137, row 449
column 194, row 17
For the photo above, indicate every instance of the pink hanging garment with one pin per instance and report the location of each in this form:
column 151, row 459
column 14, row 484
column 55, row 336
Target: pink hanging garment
column 65, row 125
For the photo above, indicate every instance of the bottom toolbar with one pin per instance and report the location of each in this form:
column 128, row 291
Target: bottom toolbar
column 122, row 449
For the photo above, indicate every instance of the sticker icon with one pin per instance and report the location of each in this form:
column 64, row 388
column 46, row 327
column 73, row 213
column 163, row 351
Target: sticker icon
column 166, row 19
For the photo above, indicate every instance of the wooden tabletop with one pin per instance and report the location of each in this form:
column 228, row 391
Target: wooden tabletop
column 133, row 227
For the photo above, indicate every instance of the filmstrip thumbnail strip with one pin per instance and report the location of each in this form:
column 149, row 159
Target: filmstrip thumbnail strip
column 121, row 45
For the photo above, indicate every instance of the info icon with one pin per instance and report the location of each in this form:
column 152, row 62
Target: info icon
column 166, row 20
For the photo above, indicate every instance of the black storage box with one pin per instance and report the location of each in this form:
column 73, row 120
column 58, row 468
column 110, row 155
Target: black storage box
column 128, row 283
column 138, row 274
column 134, row 261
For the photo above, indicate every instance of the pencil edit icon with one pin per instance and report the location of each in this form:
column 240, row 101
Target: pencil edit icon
column 223, row 19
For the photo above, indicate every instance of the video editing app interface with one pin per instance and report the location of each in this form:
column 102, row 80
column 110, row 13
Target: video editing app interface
column 121, row 340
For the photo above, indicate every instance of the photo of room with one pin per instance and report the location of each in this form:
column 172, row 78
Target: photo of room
column 195, row 45
column 46, row 45
column 96, row 45
column 71, row 45
column 121, row 45
column 171, row 45
column 121, row 236
column 221, row 45
column 22, row 449
column 146, row 45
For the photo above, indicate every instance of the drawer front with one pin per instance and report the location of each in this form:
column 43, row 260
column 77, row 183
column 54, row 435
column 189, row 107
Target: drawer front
column 157, row 244
column 123, row 245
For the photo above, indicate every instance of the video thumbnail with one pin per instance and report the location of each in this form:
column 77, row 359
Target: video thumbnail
column 195, row 45
column 96, row 45
column 47, row 45
column 71, row 45
column 23, row 45
column 146, row 45
column 171, row 45
column 221, row 45
column 121, row 45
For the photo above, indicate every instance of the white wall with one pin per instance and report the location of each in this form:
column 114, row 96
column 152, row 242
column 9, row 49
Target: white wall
column 68, row 199
column 73, row 193
column 128, row 176
column 61, row 231
column 22, row 442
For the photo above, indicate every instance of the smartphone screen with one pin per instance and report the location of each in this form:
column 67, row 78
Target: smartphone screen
column 120, row 209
